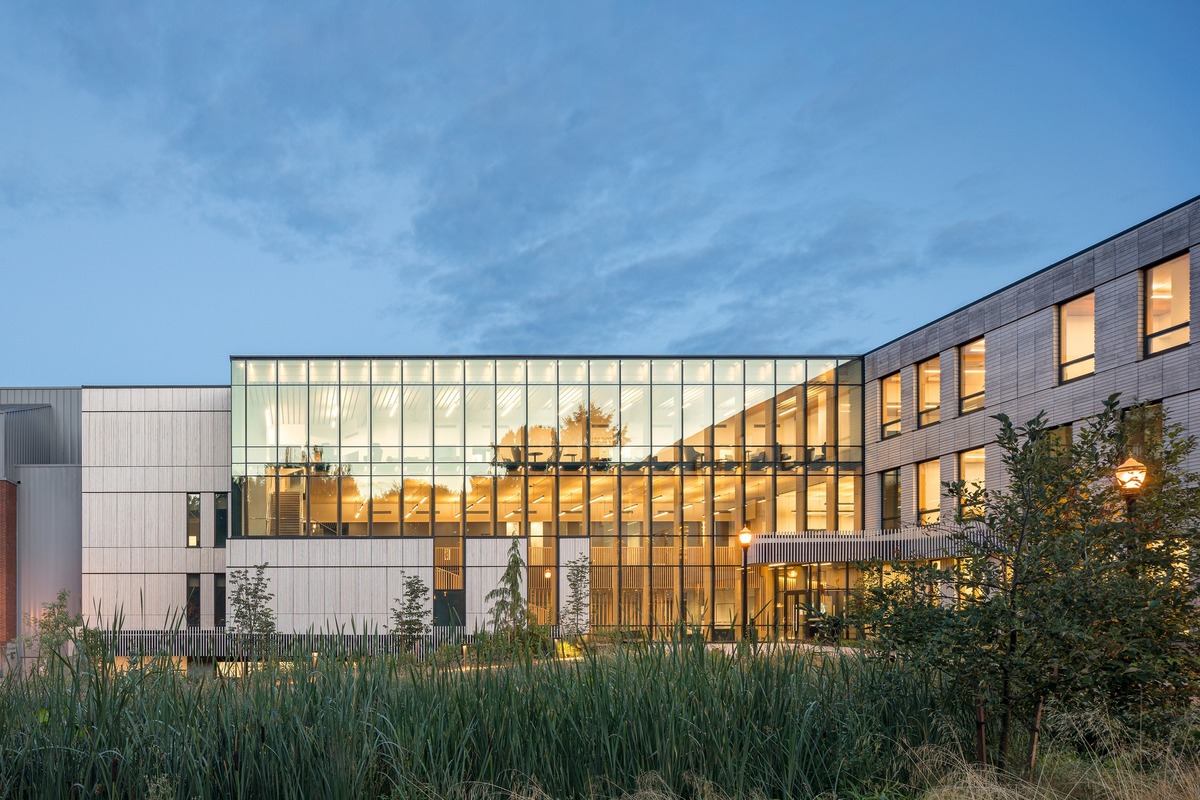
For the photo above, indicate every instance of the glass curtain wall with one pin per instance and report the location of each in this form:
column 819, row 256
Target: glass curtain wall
column 660, row 462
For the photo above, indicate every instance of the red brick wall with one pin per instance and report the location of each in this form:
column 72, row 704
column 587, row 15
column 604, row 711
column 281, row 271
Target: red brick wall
column 8, row 561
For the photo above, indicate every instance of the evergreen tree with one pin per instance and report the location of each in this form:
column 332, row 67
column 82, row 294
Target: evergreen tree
column 510, row 614
column 575, row 611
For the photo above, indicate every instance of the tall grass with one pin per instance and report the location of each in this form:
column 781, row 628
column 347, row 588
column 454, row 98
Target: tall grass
column 780, row 723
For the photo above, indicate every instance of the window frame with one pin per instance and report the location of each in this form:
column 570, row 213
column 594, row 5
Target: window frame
column 964, row 399
column 1063, row 366
column 929, row 515
column 192, row 519
column 192, row 592
column 1148, row 338
column 889, row 427
column 965, row 511
column 884, row 517
column 220, row 600
column 932, row 415
column 220, row 519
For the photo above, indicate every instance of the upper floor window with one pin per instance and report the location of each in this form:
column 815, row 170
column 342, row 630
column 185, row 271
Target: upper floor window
column 889, row 481
column 970, row 472
column 889, row 406
column 193, row 520
column 970, row 376
column 929, row 492
column 1077, row 337
column 929, row 391
column 1167, row 305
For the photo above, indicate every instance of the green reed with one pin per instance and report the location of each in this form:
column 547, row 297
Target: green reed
column 774, row 722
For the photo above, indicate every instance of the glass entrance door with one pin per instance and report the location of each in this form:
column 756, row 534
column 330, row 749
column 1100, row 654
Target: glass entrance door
column 795, row 615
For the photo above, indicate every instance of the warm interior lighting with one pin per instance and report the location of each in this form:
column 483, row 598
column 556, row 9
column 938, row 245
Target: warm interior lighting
column 546, row 574
column 1131, row 477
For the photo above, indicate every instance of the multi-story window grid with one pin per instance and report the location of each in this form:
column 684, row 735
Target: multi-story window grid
column 1168, row 301
column 220, row 518
column 191, row 607
column 929, row 391
column 1077, row 337
column 889, row 488
column 660, row 462
column 193, row 520
column 889, row 406
column 971, row 373
column 971, row 472
column 929, row 492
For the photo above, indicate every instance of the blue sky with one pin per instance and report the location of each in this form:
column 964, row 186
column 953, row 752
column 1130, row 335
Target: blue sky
column 181, row 182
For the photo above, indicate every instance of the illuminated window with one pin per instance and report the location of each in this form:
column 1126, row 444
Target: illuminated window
column 889, row 406
column 890, row 490
column 929, row 492
column 193, row 520
column 970, row 472
column 970, row 377
column 1077, row 338
column 929, row 392
column 1167, row 305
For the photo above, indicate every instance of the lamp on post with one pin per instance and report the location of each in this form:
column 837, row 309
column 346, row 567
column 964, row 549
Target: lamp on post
column 745, row 536
column 1130, row 477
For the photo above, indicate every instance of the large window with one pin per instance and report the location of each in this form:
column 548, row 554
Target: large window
column 889, row 485
column 929, row 391
column 970, row 376
column 929, row 492
column 193, row 520
column 889, row 406
column 192, row 606
column 660, row 462
column 1167, row 305
column 1077, row 338
column 971, row 472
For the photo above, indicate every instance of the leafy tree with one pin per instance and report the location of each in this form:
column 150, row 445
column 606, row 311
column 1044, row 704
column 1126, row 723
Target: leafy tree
column 253, row 619
column 575, row 611
column 510, row 614
column 1060, row 592
column 52, row 629
column 410, row 615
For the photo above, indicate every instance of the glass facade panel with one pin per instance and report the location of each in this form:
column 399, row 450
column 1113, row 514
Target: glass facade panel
column 1077, row 337
column 1168, row 305
column 659, row 462
column 971, row 374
